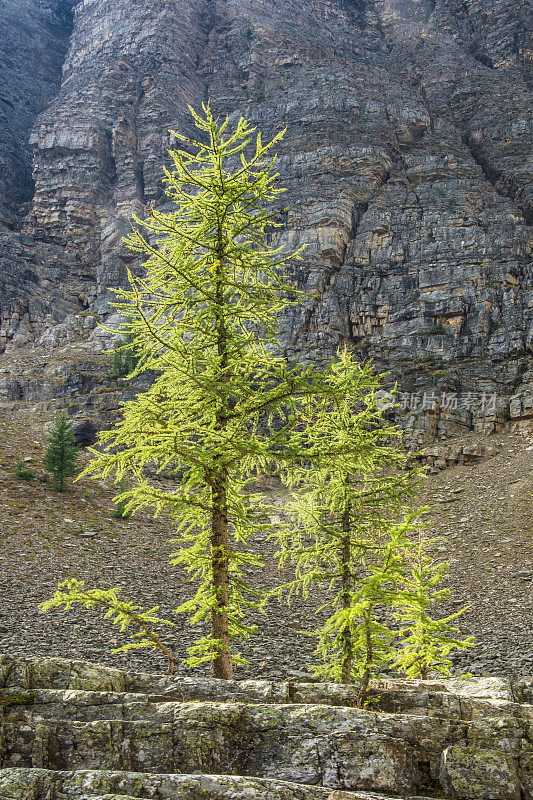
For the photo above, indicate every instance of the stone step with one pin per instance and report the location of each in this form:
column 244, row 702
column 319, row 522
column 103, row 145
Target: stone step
column 321, row 745
column 80, row 705
column 459, row 698
column 40, row 784
column 56, row 706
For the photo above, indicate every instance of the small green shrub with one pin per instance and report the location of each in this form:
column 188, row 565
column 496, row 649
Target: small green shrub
column 11, row 700
column 123, row 361
column 22, row 472
column 436, row 330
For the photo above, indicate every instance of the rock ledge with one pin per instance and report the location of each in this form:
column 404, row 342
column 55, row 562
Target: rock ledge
column 72, row 730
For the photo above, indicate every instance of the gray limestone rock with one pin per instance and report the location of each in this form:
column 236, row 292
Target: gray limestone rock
column 34, row 37
column 35, row 784
column 76, row 730
column 476, row 773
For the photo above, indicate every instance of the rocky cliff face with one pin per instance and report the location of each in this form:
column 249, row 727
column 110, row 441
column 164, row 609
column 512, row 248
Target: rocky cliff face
column 34, row 36
column 405, row 157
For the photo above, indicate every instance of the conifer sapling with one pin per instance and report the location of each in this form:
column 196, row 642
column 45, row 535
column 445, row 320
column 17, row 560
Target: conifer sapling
column 61, row 453
column 425, row 643
column 124, row 357
column 121, row 510
column 354, row 520
column 22, row 471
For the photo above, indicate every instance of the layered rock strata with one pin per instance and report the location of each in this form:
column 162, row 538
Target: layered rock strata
column 75, row 730
column 405, row 158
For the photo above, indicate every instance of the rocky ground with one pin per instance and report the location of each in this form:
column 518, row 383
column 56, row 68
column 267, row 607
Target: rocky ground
column 482, row 510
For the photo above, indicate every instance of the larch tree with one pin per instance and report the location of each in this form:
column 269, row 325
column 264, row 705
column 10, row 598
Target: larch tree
column 425, row 641
column 203, row 319
column 352, row 502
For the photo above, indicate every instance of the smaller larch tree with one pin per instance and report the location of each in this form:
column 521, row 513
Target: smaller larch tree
column 352, row 499
column 425, row 642
column 61, row 455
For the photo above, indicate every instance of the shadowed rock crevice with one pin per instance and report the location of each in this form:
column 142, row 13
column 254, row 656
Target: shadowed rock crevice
column 504, row 185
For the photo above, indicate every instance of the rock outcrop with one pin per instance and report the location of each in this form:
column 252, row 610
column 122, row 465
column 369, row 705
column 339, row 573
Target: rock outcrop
column 75, row 730
column 408, row 128
column 34, row 36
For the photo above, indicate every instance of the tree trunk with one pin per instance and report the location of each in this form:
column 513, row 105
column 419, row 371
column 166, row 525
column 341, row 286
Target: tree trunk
column 365, row 678
column 347, row 644
column 222, row 667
